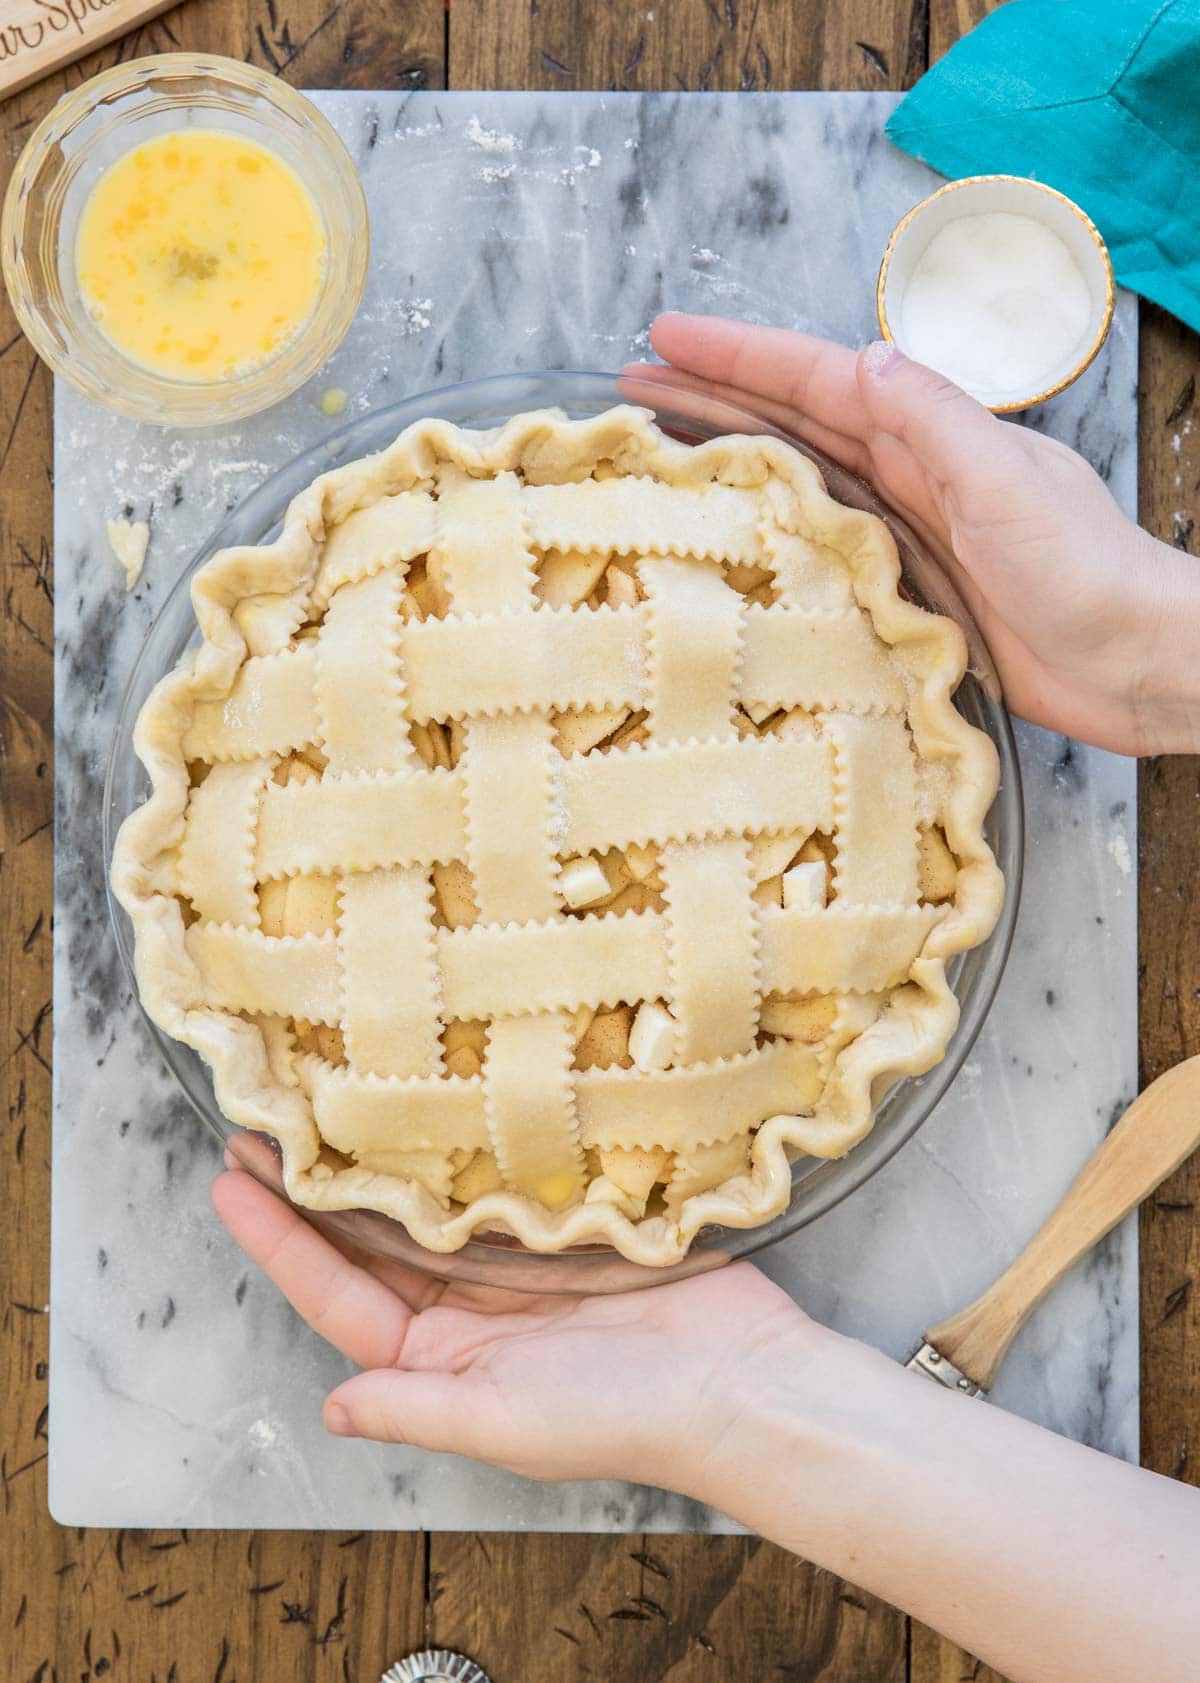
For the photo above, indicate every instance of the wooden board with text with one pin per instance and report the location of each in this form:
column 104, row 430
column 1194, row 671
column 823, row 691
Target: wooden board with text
column 40, row 36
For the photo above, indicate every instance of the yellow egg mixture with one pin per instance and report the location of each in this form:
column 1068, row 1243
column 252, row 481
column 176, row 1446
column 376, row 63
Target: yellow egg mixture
column 200, row 254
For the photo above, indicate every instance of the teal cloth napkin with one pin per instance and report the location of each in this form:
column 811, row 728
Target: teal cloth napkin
column 1099, row 98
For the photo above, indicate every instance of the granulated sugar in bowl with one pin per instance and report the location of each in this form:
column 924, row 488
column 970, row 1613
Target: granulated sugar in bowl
column 1001, row 284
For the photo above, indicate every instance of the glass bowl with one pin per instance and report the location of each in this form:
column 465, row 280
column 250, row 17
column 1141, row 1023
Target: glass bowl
column 817, row 1184
column 72, row 148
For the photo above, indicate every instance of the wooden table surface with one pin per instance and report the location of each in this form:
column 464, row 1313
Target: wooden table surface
column 264, row 1607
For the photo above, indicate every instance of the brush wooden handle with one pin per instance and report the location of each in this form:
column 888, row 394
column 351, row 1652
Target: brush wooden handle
column 38, row 36
column 1159, row 1130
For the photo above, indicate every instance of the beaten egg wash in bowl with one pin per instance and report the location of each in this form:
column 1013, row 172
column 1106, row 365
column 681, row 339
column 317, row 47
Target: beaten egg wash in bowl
column 184, row 239
column 200, row 254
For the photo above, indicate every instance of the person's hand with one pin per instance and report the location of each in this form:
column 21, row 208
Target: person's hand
column 720, row 1388
column 1092, row 623
column 642, row 1386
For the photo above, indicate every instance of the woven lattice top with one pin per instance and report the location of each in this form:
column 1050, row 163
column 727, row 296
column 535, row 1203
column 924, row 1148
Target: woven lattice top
column 559, row 829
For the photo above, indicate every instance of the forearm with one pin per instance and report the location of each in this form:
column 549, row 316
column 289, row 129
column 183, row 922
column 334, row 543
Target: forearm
column 1053, row 1563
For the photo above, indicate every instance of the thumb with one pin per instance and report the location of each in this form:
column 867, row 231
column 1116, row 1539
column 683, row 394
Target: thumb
column 950, row 433
column 440, row 1411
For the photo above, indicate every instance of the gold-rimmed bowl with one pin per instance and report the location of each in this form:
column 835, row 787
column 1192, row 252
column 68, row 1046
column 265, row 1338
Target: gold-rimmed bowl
column 977, row 195
column 82, row 136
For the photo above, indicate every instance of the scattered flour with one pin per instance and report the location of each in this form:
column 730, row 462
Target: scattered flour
column 129, row 540
column 490, row 140
column 1118, row 850
column 631, row 251
column 404, row 315
column 414, row 315
column 156, row 476
column 591, row 159
column 970, row 1078
column 629, row 143
column 703, row 254
column 264, row 1434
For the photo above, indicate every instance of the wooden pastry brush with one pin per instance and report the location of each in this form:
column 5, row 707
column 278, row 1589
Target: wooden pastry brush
column 1157, row 1133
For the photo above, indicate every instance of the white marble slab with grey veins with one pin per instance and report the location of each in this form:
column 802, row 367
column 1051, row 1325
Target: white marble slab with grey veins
column 533, row 231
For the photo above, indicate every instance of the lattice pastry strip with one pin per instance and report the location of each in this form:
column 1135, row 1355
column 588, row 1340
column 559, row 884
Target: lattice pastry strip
column 493, row 970
column 641, row 516
column 530, row 1104
column 646, row 794
column 616, row 1107
column 270, row 708
column 391, row 1012
column 714, row 986
column 361, row 821
column 498, row 970
column 387, row 533
column 357, row 1112
column 875, row 801
column 466, row 664
column 507, row 767
column 216, row 854
column 359, row 688
column 694, row 648
column 246, row 971
column 795, row 658
column 604, row 800
column 484, row 563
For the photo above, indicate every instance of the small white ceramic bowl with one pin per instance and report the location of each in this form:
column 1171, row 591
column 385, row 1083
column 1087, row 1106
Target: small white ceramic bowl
column 977, row 195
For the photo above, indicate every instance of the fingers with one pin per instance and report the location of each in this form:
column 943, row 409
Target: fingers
column 345, row 1304
column 951, row 435
column 438, row 1411
column 244, row 1150
column 814, row 376
column 844, row 449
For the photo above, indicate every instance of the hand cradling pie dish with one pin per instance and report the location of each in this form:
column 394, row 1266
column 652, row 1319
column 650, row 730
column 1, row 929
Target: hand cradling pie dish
column 559, row 829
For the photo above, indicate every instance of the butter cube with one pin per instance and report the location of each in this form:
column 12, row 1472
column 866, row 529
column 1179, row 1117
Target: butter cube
column 581, row 882
column 652, row 1037
column 804, row 886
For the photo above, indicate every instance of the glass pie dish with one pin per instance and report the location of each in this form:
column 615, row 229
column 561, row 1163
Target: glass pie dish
column 817, row 1184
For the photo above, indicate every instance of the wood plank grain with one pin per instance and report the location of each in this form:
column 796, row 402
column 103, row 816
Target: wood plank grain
column 934, row 1659
column 704, row 45
column 147, row 1605
column 950, row 19
column 1169, row 928
column 557, row 1609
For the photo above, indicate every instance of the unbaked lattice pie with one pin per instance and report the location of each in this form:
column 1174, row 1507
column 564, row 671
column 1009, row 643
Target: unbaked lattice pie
column 558, row 831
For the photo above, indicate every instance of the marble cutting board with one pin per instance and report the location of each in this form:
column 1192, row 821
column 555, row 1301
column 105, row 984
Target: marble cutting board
column 531, row 231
